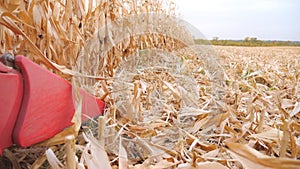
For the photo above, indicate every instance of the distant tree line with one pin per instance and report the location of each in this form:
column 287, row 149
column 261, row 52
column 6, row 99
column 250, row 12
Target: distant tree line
column 248, row 41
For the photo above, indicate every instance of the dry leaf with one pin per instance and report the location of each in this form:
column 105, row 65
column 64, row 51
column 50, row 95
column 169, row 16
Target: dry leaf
column 164, row 164
column 53, row 161
column 250, row 158
column 296, row 109
column 94, row 155
column 206, row 165
column 123, row 159
column 271, row 135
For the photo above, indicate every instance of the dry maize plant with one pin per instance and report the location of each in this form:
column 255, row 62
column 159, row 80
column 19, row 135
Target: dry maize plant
column 165, row 96
column 153, row 71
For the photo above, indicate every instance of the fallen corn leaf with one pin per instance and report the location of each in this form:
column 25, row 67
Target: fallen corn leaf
column 252, row 159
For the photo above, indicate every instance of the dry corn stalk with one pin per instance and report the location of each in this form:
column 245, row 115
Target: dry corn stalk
column 62, row 31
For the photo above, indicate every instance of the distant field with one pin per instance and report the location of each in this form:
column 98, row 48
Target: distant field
column 277, row 64
column 247, row 42
column 262, row 56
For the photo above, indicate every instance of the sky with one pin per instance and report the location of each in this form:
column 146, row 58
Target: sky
column 237, row 19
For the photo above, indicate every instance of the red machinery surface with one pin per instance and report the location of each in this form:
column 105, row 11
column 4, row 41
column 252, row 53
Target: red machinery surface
column 36, row 104
column 11, row 93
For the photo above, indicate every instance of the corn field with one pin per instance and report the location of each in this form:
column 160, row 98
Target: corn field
column 170, row 103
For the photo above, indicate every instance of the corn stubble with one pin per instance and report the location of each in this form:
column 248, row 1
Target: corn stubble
column 153, row 119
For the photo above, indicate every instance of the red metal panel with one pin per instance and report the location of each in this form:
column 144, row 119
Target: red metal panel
column 11, row 92
column 91, row 106
column 47, row 106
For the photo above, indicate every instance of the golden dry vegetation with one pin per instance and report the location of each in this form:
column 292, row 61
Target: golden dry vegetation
column 169, row 104
column 258, row 126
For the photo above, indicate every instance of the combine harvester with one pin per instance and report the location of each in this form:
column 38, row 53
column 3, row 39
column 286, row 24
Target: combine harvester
column 36, row 104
